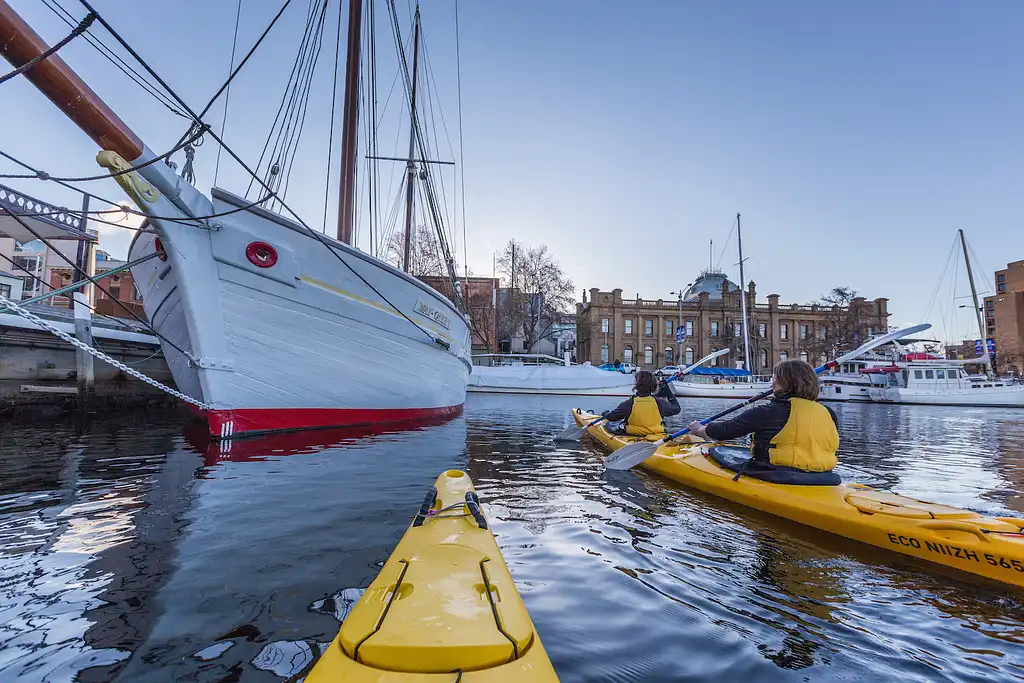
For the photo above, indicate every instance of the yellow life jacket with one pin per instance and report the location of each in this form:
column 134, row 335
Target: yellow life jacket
column 808, row 441
column 645, row 418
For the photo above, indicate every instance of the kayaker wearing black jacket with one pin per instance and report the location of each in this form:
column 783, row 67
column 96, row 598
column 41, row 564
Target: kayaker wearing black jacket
column 644, row 412
column 792, row 430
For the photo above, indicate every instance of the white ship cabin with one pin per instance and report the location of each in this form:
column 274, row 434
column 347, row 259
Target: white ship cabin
column 939, row 376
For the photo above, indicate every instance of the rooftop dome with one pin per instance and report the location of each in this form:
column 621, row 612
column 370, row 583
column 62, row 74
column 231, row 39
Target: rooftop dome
column 709, row 281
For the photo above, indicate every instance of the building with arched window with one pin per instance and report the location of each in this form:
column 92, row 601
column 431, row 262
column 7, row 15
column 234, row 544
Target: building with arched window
column 712, row 320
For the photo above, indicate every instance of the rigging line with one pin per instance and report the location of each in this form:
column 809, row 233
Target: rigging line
column 227, row 93
column 303, row 105
column 373, row 171
column 728, row 239
column 942, row 276
column 334, row 102
column 75, row 32
column 977, row 261
column 115, row 59
column 284, row 99
column 43, row 175
column 462, row 153
column 124, row 209
column 431, row 96
column 85, row 276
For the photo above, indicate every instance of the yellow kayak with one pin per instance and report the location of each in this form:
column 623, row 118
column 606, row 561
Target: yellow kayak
column 990, row 546
column 443, row 608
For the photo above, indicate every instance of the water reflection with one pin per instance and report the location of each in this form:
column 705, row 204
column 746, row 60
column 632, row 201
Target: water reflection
column 136, row 551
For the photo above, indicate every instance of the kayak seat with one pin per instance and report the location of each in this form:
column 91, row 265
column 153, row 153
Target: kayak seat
column 735, row 458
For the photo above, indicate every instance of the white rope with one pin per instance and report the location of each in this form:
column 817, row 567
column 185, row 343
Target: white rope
column 28, row 315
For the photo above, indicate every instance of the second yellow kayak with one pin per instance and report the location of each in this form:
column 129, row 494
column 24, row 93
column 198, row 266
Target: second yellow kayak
column 443, row 608
column 988, row 546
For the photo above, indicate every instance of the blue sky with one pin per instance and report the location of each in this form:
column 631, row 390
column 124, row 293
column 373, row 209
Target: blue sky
column 854, row 138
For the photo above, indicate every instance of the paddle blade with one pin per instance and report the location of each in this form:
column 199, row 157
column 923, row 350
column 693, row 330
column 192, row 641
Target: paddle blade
column 572, row 434
column 631, row 455
column 879, row 341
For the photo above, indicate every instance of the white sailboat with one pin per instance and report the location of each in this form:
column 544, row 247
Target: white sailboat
column 945, row 382
column 265, row 323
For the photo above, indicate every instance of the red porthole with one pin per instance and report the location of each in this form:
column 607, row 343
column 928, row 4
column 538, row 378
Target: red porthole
column 261, row 254
column 159, row 246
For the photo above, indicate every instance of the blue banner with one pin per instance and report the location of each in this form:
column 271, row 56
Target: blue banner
column 680, row 333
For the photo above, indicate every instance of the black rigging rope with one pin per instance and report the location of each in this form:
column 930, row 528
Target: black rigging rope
column 75, row 32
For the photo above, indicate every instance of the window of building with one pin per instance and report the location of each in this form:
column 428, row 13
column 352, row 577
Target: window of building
column 604, row 325
column 803, row 356
column 1001, row 288
column 990, row 305
column 764, row 358
column 604, row 353
column 1001, row 277
column 689, row 356
column 918, row 374
column 669, row 327
column 648, row 327
column 628, row 325
column 783, row 356
column 714, row 328
column 762, row 330
column 649, row 355
column 784, row 331
column 803, row 331
column 689, row 328
column 821, row 332
column 668, row 355
column 627, row 354
column 929, row 374
column 5, row 290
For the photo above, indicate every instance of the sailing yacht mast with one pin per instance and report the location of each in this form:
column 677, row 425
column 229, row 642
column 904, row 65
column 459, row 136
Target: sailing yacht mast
column 743, row 297
column 410, row 166
column 977, row 309
column 350, row 124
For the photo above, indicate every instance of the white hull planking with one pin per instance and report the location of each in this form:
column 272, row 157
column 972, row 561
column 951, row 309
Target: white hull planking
column 303, row 343
column 575, row 380
column 726, row 390
column 1010, row 396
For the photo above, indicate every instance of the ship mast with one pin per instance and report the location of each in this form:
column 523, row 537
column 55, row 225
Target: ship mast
column 977, row 309
column 350, row 123
column 743, row 297
column 410, row 166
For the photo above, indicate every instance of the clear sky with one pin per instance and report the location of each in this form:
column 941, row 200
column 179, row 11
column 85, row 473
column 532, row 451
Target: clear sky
column 855, row 138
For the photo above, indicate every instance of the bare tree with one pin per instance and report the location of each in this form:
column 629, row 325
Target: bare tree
column 425, row 257
column 537, row 295
column 844, row 327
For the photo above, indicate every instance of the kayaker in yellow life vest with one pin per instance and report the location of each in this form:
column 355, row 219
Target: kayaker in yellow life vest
column 792, row 430
column 643, row 413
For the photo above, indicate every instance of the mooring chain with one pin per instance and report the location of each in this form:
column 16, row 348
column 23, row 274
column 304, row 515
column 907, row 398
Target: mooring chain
column 28, row 315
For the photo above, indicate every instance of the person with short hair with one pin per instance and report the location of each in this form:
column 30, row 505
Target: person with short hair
column 644, row 413
column 792, row 430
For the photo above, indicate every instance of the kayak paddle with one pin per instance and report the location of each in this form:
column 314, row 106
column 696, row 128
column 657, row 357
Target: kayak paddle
column 576, row 433
column 635, row 453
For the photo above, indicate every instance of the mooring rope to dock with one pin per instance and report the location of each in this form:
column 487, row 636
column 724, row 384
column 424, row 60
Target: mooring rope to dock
column 28, row 315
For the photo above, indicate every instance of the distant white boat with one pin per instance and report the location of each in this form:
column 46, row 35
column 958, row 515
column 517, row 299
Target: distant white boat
column 542, row 374
column 851, row 381
column 720, row 383
column 945, row 382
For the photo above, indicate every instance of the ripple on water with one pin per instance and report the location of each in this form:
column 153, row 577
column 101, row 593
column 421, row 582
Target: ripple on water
column 129, row 553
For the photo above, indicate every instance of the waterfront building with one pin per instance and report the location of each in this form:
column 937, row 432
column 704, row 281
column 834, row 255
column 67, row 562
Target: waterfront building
column 1004, row 318
column 643, row 331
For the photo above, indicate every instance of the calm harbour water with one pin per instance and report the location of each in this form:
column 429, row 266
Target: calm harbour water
column 131, row 550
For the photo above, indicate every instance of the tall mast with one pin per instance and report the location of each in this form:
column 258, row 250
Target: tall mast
column 19, row 44
column 743, row 297
column 350, row 123
column 410, row 166
column 977, row 309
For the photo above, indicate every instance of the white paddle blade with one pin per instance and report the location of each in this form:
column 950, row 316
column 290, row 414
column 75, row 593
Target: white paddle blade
column 884, row 339
column 572, row 434
column 705, row 359
column 630, row 456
